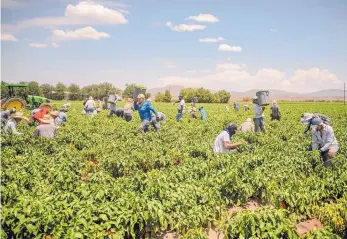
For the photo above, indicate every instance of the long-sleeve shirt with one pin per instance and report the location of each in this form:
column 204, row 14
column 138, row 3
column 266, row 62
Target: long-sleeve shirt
column 11, row 127
column 145, row 110
column 247, row 127
column 203, row 114
column 5, row 115
column 275, row 110
column 128, row 108
column 258, row 111
column 326, row 140
column 60, row 119
column 45, row 130
column 90, row 104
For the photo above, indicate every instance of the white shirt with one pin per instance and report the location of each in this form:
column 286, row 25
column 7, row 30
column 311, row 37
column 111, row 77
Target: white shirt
column 219, row 143
column 90, row 104
column 326, row 141
column 247, row 127
column 180, row 104
column 11, row 127
column 258, row 111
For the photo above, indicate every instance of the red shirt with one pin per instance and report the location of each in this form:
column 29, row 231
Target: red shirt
column 39, row 115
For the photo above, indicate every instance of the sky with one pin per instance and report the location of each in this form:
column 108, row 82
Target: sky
column 296, row 45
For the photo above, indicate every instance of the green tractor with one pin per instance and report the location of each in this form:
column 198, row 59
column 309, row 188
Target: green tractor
column 21, row 102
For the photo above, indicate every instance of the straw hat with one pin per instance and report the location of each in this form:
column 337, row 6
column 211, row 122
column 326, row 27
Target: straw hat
column 141, row 96
column 54, row 113
column 47, row 119
column 19, row 115
column 130, row 100
column 91, row 97
column 248, row 120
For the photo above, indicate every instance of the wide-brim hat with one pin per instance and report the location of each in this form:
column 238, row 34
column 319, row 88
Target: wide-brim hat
column 19, row 115
column 130, row 100
column 91, row 97
column 248, row 120
column 54, row 113
column 47, row 119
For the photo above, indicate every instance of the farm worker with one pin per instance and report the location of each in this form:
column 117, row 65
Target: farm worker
column 226, row 108
column 192, row 111
column 128, row 110
column 62, row 117
column 37, row 115
column 323, row 138
column 275, row 111
column 155, row 122
column 181, row 108
column 203, row 113
column 222, row 143
column 245, row 107
column 90, row 106
column 120, row 112
column 307, row 118
column 11, row 126
column 145, row 108
column 98, row 104
column 247, row 126
column 258, row 116
column 113, row 107
column 5, row 115
column 236, row 106
column 66, row 106
column 46, row 129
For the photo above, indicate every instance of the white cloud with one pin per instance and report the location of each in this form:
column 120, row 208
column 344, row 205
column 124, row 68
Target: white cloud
column 203, row 18
column 225, row 47
column 170, row 64
column 185, row 27
column 37, row 45
column 84, row 13
column 10, row 4
column 239, row 78
column 208, row 40
column 55, row 45
column 273, row 30
column 8, row 37
column 79, row 34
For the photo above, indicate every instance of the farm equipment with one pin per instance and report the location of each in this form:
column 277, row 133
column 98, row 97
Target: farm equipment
column 21, row 101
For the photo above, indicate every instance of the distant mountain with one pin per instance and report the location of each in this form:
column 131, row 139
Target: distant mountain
column 330, row 94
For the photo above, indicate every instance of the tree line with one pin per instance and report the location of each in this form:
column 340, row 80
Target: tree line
column 61, row 91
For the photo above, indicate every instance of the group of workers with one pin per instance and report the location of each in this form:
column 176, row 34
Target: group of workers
column 323, row 137
column 46, row 121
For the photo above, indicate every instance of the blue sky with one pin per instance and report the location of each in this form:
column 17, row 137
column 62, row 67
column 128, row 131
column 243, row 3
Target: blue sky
column 290, row 45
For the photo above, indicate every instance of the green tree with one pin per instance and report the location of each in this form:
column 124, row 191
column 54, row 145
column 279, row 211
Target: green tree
column 221, row 96
column 47, row 90
column 34, row 89
column 75, row 92
column 60, row 89
column 4, row 90
column 167, row 96
column 188, row 93
column 204, row 95
column 159, row 97
column 129, row 91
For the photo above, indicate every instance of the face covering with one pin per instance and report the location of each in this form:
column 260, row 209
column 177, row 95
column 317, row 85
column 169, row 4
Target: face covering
column 231, row 129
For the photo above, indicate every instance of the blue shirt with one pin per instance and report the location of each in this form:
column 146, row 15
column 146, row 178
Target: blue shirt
column 236, row 106
column 61, row 118
column 145, row 110
column 203, row 114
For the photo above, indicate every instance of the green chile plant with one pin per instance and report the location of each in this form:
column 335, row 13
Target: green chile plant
column 100, row 179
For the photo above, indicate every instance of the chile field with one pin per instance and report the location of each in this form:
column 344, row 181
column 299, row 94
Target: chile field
column 100, row 179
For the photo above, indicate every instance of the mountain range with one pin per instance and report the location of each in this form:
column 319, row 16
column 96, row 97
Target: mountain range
column 329, row 94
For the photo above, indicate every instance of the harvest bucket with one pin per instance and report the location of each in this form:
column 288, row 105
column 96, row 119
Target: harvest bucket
column 138, row 91
column 263, row 97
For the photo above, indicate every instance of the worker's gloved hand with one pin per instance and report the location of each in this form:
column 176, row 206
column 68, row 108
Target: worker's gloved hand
column 158, row 119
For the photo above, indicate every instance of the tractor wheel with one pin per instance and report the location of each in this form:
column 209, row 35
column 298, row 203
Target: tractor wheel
column 17, row 103
column 46, row 106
